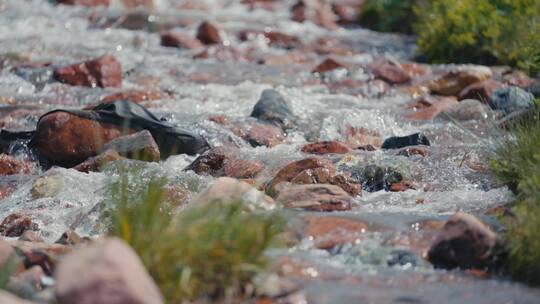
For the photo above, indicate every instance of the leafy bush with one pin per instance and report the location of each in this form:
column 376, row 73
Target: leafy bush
column 388, row 15
column 479, row 31
column 517, row 163
column 210, row 250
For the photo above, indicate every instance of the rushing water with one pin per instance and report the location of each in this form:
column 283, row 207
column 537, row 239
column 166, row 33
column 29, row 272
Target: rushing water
column 449, row 177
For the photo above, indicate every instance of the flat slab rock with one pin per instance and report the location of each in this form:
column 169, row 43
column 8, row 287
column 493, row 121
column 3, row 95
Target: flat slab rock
column 315, row 197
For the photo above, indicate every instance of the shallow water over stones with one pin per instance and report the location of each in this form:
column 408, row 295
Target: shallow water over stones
column 385, row 263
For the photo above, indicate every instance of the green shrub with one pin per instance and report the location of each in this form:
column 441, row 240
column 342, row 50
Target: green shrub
column 388, row 15
column 209, row 251
column 478, row 31
column 517, row 163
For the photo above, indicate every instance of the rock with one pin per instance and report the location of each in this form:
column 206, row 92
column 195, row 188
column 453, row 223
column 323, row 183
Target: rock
column 402, row 186
column 16, row 224
column 410, row 151
column 140, row 145
column 208, row 33
column 452, row 83
column 376, row 178
column 46, row 186
column 136, row 96
column 224, row 162
column 325, row 147
column 105, row 272
column 273, row 108
column 259, row 133
column 69, row 237
column 518, row 79
column 347, row 13
column 430, row 107
column 67, row 139
column 362, row 137
column 10, row 165
column 511, row 99
column 463, row 242
column 276, row 39
column 468, row 109
column 95, row 164
column 318, row 12
column 330, row 231
column 327, row 65
column 138, row 3
column 228, row 189
column 481, row 90
column 6, row 253
column 350, row 185
column 397, row 142
column 85, row 2
column 179, row 40
column 391, row 71
column 104, row 72
column 318, row 197
column 31, row 236
column 327, row 175
column 221, row 53
column 290, row 171
column 6, row 297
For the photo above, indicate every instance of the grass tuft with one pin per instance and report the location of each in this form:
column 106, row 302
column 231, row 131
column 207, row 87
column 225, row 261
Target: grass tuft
column 207, row 251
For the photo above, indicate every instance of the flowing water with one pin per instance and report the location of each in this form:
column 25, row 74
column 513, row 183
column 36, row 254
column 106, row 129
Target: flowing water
column 451, row 178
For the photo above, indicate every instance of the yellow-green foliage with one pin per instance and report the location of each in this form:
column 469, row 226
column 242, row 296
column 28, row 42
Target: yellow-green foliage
column 210, row 250
column 518, row 164
column 481, row 31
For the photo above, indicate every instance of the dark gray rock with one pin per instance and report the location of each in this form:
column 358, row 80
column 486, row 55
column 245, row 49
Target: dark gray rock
column 511, row 99
column 398, row 142
column 375, row 178
column 273, row 108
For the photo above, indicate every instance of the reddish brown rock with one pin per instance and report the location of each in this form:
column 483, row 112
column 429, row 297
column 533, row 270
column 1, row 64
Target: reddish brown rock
column 390, row 71
column 290, row 171
column 330, row 231
column 9, row 165
column 140, row 145
column 318, row 12
column 362, row 137
column 85, row 2
column 349, row 185
column 242, row 168
column 5, row 191
column 518, row 79
column 219, row 119
column 39, row 258
column 317, row 197
column 453, row 82
column 68, row 140
column 228, row 189
column 224, row 162
column 137, row 3
column 179, row 40
column 321, row 175
column 16, row 224
column 480, row 90
column 463, row 242
column 136, row 96
column 105, row 272
column 208, row 33
column 427, row 108
column 69, row 237
column 95, row 164
column 277, row 39
column 104, row 71
column 331, row 46
column 327, row 65
column 410, row 151
column 325, row 147
column 402, row 186
column 259, row 133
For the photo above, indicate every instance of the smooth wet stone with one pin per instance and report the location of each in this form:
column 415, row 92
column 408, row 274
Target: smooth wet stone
column 10, row 165
column 136, row 96
column 398, row 142
column 465, row 110
column 16, row 224
column 208, row 33
column 85, row 2
column 428, row 108
column 140, row 145
column 315, row 197
column 481, row 91
column 327, row 65
column 331, row 231
column 67, row 139
column 453, row 82
column 463, row 242
column 273, row 108
column 108, row 271
column 228, row 189
column 70, row 238
column 511, row 99
column 325, row 147
column 180, row 40
column 103, row 72
column 390, row 71
column 292, row 170
column 258, row 133
column 402, row 186
column 222, row 161
column 96, row 163
column 327, row 175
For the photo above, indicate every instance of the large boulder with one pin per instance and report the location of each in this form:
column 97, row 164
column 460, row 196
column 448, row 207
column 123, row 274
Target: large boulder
column 463, row 242
column 105, row 272
column 104, row 72
column 315, row 197
column 273, row 108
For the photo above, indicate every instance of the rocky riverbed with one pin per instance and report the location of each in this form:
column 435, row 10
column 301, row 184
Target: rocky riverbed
column 379, row 163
